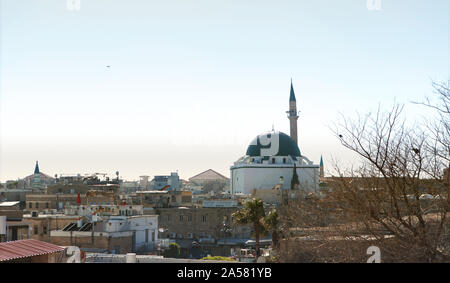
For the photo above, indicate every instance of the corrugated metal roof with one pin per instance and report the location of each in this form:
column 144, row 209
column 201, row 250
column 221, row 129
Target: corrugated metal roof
column 26, row 248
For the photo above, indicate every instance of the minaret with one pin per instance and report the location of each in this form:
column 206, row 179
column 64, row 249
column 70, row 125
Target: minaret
column 292, row 114
column 321, row 171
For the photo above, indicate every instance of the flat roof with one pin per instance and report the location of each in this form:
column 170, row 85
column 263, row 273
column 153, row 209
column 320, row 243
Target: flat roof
column 152, row 192
column 59, row 215
column 9, row 203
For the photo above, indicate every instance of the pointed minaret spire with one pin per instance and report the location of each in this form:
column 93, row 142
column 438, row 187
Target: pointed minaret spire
column 36, row 168
column 292, row 94
column 321, row 171
column 292, row 114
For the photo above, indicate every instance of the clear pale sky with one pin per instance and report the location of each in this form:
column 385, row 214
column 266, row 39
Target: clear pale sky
column 190, row 83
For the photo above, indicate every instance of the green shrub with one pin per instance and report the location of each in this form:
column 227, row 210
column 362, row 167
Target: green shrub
column 218, row 258
column 173, row 251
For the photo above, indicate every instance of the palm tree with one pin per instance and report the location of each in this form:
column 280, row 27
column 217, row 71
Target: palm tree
column 271, row 224
column 252, row 213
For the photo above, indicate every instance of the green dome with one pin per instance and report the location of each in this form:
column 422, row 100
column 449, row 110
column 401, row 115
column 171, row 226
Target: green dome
column 286, row 145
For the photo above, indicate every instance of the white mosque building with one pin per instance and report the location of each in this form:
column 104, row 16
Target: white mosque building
column 270, row 161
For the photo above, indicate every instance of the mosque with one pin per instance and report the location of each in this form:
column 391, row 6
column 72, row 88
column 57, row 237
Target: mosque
column 271, row 159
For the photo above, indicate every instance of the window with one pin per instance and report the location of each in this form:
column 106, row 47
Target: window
column 44, row 230
column 181, row 218
column 153, row 236
column 36, row 229
column 284, row 160
column 203, row 218
column 36, row 205
column 189, row 218
column 273, row 160
column 46, row 205
column 146, row 235
column 174, row 199
column 30, row 205
column 168, row 218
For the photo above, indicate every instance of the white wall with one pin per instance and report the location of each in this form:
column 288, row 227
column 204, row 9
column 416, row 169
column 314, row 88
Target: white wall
column 244, row 179
column 2, row 225
column 141, row 225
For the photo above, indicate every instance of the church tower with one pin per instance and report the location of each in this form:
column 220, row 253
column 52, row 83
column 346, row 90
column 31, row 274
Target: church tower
column 292, row 114
column 37, row 176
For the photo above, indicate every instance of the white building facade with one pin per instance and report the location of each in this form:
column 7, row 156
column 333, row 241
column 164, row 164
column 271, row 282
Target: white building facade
column 272, row 158
column 269, row 162
column 143, row 227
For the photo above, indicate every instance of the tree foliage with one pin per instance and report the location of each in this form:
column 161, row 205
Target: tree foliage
column 173, row 251
column 252, row 213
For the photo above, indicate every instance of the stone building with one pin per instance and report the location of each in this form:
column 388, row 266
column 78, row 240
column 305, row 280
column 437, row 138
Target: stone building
column 48, row 202
column 109, row 242
column 155, row 199
column 12, row 225
column 107, row 228
column 41, row 224
column 199, row 230
column 113, row 234
column 159, row 199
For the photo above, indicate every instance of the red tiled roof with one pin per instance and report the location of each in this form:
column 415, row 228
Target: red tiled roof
column 26, row 248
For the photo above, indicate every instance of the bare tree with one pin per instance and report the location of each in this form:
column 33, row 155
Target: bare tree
column 439, row 129
column 399, row 165
column 395, row 198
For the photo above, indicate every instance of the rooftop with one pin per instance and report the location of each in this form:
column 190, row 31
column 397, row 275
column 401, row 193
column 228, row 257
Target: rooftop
column 152, row 192
column 262, row 145
column 9, row 203
column 26, row 248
